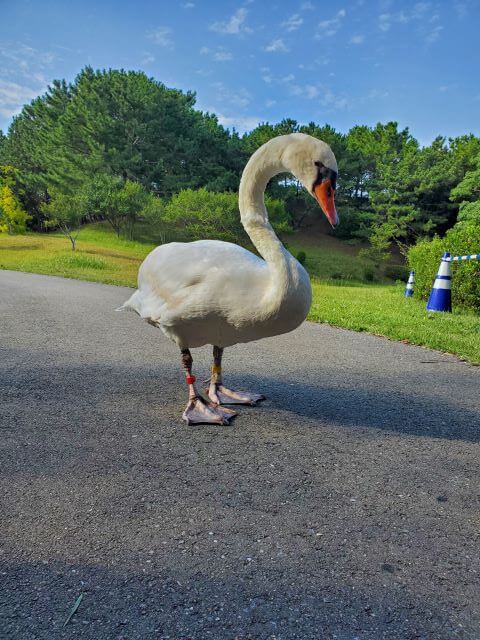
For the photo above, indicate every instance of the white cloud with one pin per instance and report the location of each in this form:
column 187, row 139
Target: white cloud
column 319, row 92
column 434, row 34
column 222, row 56
column 188, row 5
column 359, row 39
column 219, row 55
column 240, row 98
column 270, row 103
column 384, row 21
column 293, row 23
column 377, row 94
column 420, row 13
column 147, row 58
column 461, row 9
column 330, row 27
column 306, row 6
column 241, row 123
column 23, row 70
column 276, row 46
column 13, row 96
column 234, row 25
column 25, row 58
column 161, row 36
column 330, row 99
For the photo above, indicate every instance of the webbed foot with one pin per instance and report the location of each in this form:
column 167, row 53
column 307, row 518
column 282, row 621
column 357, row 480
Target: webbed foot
column 199, row 411
column 219, row 394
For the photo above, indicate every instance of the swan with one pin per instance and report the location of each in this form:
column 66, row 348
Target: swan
column 218, row 293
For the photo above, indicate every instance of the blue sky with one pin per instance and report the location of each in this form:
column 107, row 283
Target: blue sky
column 345, row 63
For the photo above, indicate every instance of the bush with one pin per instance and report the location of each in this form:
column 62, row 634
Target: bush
column 302, row 257
column 205, row 214
column 396, row 272
column 13, row 218
column 355, row 224
column 369, row 274
column 425, row 256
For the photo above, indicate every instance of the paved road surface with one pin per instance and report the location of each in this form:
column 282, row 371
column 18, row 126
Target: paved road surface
column 345, row 507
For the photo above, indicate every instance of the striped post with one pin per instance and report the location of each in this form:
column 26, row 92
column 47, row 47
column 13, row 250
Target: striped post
column 409, row 287
column 472, row 256
column 441, row 295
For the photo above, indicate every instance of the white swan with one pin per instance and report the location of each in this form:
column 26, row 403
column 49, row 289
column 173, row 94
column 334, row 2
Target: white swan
column 218, row 293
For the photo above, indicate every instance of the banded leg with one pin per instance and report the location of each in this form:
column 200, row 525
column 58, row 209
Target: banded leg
column 198, row 410
column 219, row 394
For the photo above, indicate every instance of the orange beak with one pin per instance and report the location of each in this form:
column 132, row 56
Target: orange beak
column 325, row 196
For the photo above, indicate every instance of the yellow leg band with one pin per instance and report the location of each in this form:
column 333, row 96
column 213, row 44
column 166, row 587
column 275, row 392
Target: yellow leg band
column 216, row 368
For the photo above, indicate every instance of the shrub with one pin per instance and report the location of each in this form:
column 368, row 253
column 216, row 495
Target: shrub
column 118, row 201
column 369, row 274
column 302, row 257
column 13, row 218
column 396, row 272
column 425, row 256
column 355, row 224
column 205, row 214
column 65, row 212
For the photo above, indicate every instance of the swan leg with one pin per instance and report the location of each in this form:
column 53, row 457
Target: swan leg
column 198, row 410
column 219, row 394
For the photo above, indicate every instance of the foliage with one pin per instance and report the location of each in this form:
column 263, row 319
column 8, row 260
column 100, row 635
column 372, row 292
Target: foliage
column 3, row 142
column 424, row 257
column 396, row 272
column 355, row 223
column 200, row 214
column 302, row 257
column 463, row 238
column 120, row 202
column 124, row 124
column 110, row 130
column 13, row 218
column 65, row 212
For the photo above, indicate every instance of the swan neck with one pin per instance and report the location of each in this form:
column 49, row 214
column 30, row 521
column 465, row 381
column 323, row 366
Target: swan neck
column 262, row 166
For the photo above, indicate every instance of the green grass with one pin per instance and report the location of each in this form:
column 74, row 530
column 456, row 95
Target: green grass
column 376, row 308
column 100, row 256
column 383, row 310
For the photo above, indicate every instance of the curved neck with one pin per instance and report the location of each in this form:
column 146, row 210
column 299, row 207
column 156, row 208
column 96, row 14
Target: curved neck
column 265, row 163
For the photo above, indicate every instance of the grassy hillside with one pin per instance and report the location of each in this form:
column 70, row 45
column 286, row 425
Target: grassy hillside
column 100, row 255
column 348, row 302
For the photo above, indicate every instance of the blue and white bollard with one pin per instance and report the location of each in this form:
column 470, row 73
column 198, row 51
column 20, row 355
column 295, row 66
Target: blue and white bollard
column 409, row 287
column 441, row 295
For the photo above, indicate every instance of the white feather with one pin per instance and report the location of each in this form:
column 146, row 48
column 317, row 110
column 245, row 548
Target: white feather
column 212, row 292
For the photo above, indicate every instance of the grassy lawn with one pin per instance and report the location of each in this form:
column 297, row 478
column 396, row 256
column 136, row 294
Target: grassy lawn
column 375, row 308
column 383, row 310
column 100, row 256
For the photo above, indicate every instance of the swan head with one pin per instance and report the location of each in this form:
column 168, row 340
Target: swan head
column 314, row 164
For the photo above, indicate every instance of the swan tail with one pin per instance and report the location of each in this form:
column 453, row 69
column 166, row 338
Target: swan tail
column 132, row 304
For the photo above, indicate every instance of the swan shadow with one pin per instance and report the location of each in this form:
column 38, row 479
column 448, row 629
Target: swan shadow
column 365, row 407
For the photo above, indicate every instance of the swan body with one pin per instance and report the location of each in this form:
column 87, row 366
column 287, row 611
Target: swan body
column 218, row 293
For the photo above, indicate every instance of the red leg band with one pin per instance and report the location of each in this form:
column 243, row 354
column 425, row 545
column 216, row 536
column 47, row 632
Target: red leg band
column 190, row 379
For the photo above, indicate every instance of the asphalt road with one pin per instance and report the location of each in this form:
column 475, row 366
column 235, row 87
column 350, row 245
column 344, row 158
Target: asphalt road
column 345, row 507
